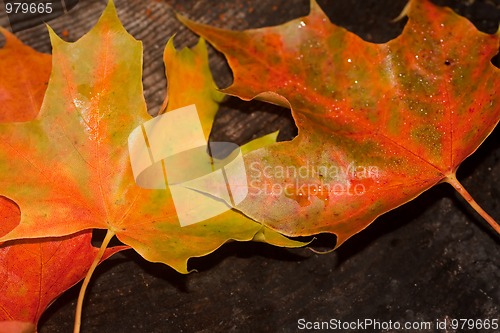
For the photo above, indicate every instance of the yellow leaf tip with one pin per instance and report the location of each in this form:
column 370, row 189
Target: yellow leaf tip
column 54, row 37
column 316, row 10
column 111, row 5
column 403, row 13
column 170, row 42
column 313, row 6
column 275, row 134
column 110, row 10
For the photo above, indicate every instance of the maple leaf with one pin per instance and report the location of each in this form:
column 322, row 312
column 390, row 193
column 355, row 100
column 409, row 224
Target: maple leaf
column 33, row 273
column 378, row 123
column 69, row 169
column 25, row 74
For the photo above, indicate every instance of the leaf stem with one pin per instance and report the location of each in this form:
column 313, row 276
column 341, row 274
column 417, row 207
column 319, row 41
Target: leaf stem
column 452, row 179
column 81, row 296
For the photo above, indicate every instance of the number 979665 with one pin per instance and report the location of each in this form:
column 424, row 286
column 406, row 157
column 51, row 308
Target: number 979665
column 28, row 8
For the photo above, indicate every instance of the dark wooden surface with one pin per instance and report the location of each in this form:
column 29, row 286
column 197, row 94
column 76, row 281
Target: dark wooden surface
column 433, row 258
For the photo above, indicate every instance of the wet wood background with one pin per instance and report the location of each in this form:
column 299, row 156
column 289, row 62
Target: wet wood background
column 433, row 258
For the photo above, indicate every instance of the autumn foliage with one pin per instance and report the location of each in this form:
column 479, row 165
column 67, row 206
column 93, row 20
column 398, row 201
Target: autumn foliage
column 378, row 125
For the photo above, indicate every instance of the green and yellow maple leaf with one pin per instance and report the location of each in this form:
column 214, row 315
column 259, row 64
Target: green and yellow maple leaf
column 69, row 170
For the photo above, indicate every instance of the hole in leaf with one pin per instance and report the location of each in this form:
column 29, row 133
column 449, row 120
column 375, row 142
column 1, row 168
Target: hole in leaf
column 323, row 242
column 240, row 121
column 366, row 18
column 98, row 236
